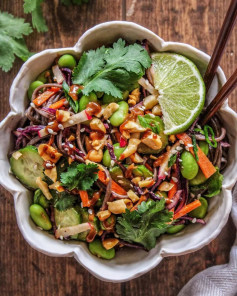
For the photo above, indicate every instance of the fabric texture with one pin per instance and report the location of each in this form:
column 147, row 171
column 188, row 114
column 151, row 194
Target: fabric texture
column 220, row 280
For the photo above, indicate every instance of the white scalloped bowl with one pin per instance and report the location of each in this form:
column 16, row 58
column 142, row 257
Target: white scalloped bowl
column 128, row 263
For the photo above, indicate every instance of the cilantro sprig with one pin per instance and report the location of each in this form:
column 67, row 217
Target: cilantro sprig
column 79, row 176
column 111, row 70
column 144, row 225
column 152, row 123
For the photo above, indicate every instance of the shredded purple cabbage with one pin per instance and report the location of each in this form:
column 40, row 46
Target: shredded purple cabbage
column 67, row 73
column 111, row 151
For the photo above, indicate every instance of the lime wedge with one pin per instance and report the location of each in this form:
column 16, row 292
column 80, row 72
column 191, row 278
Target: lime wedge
column 181, row 90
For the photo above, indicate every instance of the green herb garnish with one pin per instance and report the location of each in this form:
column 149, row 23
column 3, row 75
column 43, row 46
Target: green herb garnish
column 172, row 160
column 150, row 122
column 195, row 148
column 63, row 200
column 111, row 70
column 208, row 129
column 12, row 30
column 79, row 176
column 72, row 103
column 144, row 225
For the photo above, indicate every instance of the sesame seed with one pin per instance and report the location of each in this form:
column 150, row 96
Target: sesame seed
column 82, row 130
column 143, row 107
column 108, row 120
column 179, row 159
column 178, row 148
column 54, row 133
column 192, row 195
column 61, row 237
column 187, row 148
column 166, row 173
column 63, row 144
column 199, row 126
column 32, row 104
column 140, row 108
column 51, row 123
column 48, row 165
column 90, row 211
column 50, row 131
column 175, row 179
column 66, row 149
column 194, row 220
column 112, row 163
column 115, row 234
column 60, row 126
column 120, row 181
column 70, row 121
column 35, row 167
column 81, row 205
column 198, row 196
column 181, row 141
column 152, row 115
column 70, row 145
column 190, row 145
column 120, row 176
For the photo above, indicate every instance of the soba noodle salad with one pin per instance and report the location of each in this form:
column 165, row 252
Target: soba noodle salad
column 112, row 148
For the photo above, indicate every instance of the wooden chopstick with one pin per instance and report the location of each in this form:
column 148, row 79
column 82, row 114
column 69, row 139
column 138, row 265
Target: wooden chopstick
column 223, row 37
column 217, row 102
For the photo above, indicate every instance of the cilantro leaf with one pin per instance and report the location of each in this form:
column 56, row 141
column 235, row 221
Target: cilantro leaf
column 144, row 225
column 150, row 122
column 72, row 103
column 63, row 200
column 12, row 43
column 79, row 176
column 111, row 70
column 34, row 7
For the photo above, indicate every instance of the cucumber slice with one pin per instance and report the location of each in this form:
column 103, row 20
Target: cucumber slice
column 28, row 166
column 70, row 217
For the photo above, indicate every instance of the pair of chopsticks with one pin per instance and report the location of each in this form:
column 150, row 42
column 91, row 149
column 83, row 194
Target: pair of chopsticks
column 230, row 85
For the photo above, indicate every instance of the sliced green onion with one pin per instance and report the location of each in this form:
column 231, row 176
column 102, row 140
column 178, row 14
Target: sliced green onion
column 208, row 129
column 198, row 130
column 195, row 148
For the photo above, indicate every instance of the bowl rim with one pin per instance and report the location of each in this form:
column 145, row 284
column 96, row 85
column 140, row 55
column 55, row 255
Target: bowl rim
column 75, row 251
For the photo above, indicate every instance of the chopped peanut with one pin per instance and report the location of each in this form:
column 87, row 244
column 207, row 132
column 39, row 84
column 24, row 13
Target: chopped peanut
column 103, row 215
column 150, row 101
column 51, row 173
column 136, row 158
column 119, row 206
column 109, row 243
column 156, row 110
column 62, row 116
column 48, row 152
column 148, row 182
column 98, row 144
column 131, row 148
column 136, row 180
column 44, row 188
column 152, row 140
column 109, row 110
column 133, row 127
column 56, row 186
column 172, row 138
column 132, row 195
column 97, row 125
column 95, row 155
column 88, row 144
column 134, row 97
column 165, row 186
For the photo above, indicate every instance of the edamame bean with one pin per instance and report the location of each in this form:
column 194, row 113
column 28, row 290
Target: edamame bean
column 189, row 166
column 204, row 146
column 40, row 217
column 84, row 100
column 97, row 249
column 119, row 116
column 175, row 229
column 201, row 211
column 117, row 151
column 142, row 171
column 67, row 61
column 42, row 77
column 198, row 179
column 32, row 87
column 40, row 199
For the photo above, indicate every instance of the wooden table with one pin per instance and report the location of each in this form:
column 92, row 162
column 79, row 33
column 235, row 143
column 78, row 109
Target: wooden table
column 24, row 271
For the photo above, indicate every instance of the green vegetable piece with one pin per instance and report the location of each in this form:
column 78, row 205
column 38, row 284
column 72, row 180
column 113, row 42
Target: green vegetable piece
column 201, row 211
column 28, row 166
column 40, row 217
column 144, row 225
column 175, row 229
column 144, row 149
column 214, row 184
column 84, row 100
column 212, row 142
column 198, row 179
column 41, row 77
column 110, row 99
column 115, row 172
column 153, row 123
column 119, row 116
column 204, row 146
column 117, row 151
column 40, row 199
column 189, row 166
column 67, row 61
column 99, row 94
column 162, row 193
column 97, row 249
column 142, row 171
column 32, row 87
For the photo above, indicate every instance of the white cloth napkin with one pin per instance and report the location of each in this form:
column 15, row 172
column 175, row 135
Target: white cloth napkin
column 220, row 280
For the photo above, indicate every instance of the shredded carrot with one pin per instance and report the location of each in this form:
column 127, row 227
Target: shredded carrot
column 91, row 217
column 204, row 163
column 188, row 208
column 173, row 190
column 45, row 96
column 142, row 198
column 115, row 187
column 84, row 198
column 58, row 104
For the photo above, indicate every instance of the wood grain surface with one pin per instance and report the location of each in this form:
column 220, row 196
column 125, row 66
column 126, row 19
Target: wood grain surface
column 24, row 271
